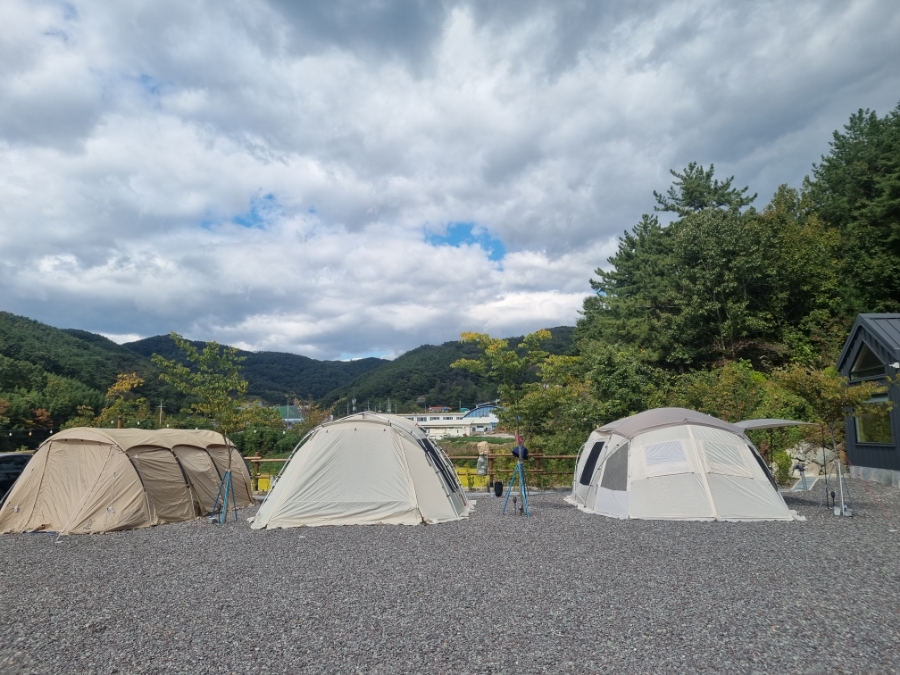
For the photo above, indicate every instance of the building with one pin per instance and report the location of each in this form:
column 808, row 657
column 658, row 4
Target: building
column 290, row 414
column 481, row 420
column 872, row 354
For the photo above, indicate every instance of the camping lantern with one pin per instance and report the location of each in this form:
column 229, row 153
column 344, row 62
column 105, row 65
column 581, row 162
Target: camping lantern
column 481, row 466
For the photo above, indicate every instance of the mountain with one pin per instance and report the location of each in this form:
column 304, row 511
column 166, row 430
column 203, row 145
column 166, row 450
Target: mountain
column 274, row 375
column 425, row 371
column 87, row 358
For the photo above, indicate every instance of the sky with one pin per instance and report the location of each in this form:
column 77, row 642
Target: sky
column 356, row 178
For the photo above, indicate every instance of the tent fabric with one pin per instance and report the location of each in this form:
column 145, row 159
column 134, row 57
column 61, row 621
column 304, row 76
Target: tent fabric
column 88, row 480
column 664, row 417
column 675, row 464
column 365, row 469
column 770, row 424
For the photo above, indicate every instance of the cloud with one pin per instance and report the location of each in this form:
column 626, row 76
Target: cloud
column 340, row 179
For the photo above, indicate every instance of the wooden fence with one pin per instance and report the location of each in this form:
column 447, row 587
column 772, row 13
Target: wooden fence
column 535, row 469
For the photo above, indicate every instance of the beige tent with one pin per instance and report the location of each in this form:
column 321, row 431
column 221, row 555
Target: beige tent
column 88, row 480
column 675, row 464
column 365, row 469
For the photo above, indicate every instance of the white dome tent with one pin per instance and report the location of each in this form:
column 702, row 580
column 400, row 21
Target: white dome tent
column 675, row 464
column 365, row 469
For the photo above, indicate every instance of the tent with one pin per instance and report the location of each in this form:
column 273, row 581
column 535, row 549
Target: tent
column 674, row 464
column 365, row 469
column 89, row 480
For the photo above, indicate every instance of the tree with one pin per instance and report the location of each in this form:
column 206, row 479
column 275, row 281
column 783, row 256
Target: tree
column 831, row 397
column 122, row 405
column 213, row 381
column 507, row 367
column 620, row 380
column 720, row 284
column 696, row 190
column 856, row 190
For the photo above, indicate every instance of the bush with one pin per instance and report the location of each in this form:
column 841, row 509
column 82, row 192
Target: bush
column 783, row 465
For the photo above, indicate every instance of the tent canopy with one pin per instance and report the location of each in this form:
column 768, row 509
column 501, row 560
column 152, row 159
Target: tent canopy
column 658, row 418
column 89, row 480
column 365, row 469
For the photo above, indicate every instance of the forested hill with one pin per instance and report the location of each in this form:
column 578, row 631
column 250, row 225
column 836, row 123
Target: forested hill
column 274, row 375
column 425, row 371
column 91, row 362
column 47, row 373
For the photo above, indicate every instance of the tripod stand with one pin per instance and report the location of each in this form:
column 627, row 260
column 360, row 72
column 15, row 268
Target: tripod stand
column 518, row 475
column 226, row 487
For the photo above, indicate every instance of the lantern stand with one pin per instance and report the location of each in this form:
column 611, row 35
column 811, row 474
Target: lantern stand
column 226, row 487
column 518, row 475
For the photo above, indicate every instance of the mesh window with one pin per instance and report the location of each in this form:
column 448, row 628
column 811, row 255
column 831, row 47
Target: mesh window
column 726, row 458
column 666, row 458
column 446, row 472
column 615, row 476
column 762, row 465
column 591, row 463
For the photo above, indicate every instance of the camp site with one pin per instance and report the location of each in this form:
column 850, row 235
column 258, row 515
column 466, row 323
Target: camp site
column 489, row 338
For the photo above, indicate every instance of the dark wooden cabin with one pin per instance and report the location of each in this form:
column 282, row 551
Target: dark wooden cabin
column 872, row 353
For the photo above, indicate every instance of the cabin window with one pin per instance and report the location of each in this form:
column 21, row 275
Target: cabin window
column 874, row 424
column 591, row 463
column 867, row 365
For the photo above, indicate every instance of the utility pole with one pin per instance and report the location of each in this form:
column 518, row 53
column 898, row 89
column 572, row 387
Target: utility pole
column 160, row 413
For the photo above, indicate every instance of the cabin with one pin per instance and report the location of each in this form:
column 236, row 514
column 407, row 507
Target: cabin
column 872, row 354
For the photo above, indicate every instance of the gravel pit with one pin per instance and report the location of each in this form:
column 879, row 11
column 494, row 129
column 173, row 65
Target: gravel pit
column 561, row 591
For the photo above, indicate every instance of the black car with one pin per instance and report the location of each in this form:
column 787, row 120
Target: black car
column 12, row 464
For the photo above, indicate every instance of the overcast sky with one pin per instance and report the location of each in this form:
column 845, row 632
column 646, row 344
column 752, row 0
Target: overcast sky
column 344, row 179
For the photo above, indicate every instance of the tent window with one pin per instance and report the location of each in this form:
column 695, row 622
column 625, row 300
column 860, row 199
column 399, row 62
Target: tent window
column 591, row 463
column 762, row 465
column 726, row 458
column 439, row 464
column 615, row 476
column 665, row 458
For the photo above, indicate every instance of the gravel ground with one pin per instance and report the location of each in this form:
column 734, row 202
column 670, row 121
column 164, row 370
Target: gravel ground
column 591, row 594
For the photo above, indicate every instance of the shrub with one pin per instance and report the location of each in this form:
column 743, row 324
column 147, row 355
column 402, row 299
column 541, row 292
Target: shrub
column 783, row 464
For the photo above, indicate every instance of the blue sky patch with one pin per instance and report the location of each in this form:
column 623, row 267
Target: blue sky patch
column 259, row 214
column 468, row 233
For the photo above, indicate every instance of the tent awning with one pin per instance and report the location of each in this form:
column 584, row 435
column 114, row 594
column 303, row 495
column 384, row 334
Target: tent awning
column 749, row 425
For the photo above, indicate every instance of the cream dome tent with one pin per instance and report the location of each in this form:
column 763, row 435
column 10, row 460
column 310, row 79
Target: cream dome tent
column 89, row 480
column 674, row 464
column 366, row 469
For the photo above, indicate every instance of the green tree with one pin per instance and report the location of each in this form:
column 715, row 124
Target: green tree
column 695, row 190
column 212, row 379
column 830, row 396
column 620, row 380
column 856, row 189
column 507, row 367
column 720, row 284
column 557, row 412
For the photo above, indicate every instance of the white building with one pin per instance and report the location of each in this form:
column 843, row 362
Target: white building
column 481, row 420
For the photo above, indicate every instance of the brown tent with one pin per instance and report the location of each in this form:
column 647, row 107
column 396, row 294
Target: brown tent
column 88, row 480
